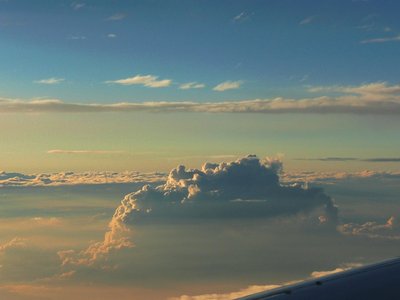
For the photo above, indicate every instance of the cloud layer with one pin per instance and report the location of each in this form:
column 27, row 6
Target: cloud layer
column 374, row 98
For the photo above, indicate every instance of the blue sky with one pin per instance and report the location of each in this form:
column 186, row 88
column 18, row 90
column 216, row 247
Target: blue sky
column 272, row 48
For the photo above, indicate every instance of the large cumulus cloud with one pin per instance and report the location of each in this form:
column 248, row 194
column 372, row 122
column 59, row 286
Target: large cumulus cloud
column 245, row 188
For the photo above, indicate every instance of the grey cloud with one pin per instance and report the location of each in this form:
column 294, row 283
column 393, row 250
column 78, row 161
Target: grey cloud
column 389, row 230
column 245, row 188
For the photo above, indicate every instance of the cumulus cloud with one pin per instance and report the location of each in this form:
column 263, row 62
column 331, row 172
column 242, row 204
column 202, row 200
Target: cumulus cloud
column 227, row 85
column 50, row 81
column 145, row 80
column 374, row 98
column 389, row 230
column 72, row 178
column 245, row 188
column 191, row 85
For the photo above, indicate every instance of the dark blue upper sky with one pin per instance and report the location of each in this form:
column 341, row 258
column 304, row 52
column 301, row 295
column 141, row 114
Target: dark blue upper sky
column 265, row 48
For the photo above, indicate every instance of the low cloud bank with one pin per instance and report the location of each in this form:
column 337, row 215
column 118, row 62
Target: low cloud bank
column 245, row 188
column 72, row 178
column 389, row 230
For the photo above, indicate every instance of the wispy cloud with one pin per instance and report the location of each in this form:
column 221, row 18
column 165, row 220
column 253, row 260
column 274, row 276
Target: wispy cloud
column 145, row 80
column 52, row 80
column 228, row 85
column 76, row 37
column 59, row 151
column 241, row 17
column 307, row 20
column 116, row 17
column 382, row 40
column 111, row 35
column 78, row 5
column 191, row 85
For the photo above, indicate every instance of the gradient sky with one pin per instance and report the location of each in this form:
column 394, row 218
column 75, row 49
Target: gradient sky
column 105, row 52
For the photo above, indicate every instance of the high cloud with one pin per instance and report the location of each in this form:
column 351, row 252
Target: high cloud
column 227, row 85
column 191, row 85
column 374, row 98
column 145, row 80
column 382, row 40
column 245, row 188
column 116, row 17
column 50, row 81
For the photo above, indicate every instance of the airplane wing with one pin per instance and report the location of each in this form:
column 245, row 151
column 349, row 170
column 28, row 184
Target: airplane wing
column 378, row 281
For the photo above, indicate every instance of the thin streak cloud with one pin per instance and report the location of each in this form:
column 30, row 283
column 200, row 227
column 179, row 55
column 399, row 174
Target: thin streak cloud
column 59, row 151
column 382, row 40
column 50, row 81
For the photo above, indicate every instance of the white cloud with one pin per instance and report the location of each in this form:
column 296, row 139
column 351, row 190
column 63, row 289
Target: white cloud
column 191, row 85
column 59, row 151
column 145, row 80
column 381, row 40
column 52, row 80
column 77, row 37
column 373, row 98
column 241, row 17
column 77, row 5
column 116, row 17
column 227, row 85
column 111, row 35
column 307, row 20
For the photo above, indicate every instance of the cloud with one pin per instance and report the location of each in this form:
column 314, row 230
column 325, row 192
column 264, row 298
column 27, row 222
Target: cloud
column 245, row 188
column 12, row 244
column 50, row 81
column 338, row 159
column 373, row 98
column 146, row 80
column 227, row 85
column 231, row 295
column 307, row 20
column 77, row 5
column 116, row 17
column 77, row 37
column 382, row 40
column 72, row 178
column 191, row 85
column 111, row 35
column 389, row 230
column 59, row 151
column 241, row 17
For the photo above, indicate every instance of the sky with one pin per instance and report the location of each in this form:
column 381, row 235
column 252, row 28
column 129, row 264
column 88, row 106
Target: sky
column 139, row 84
column 234, row 145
